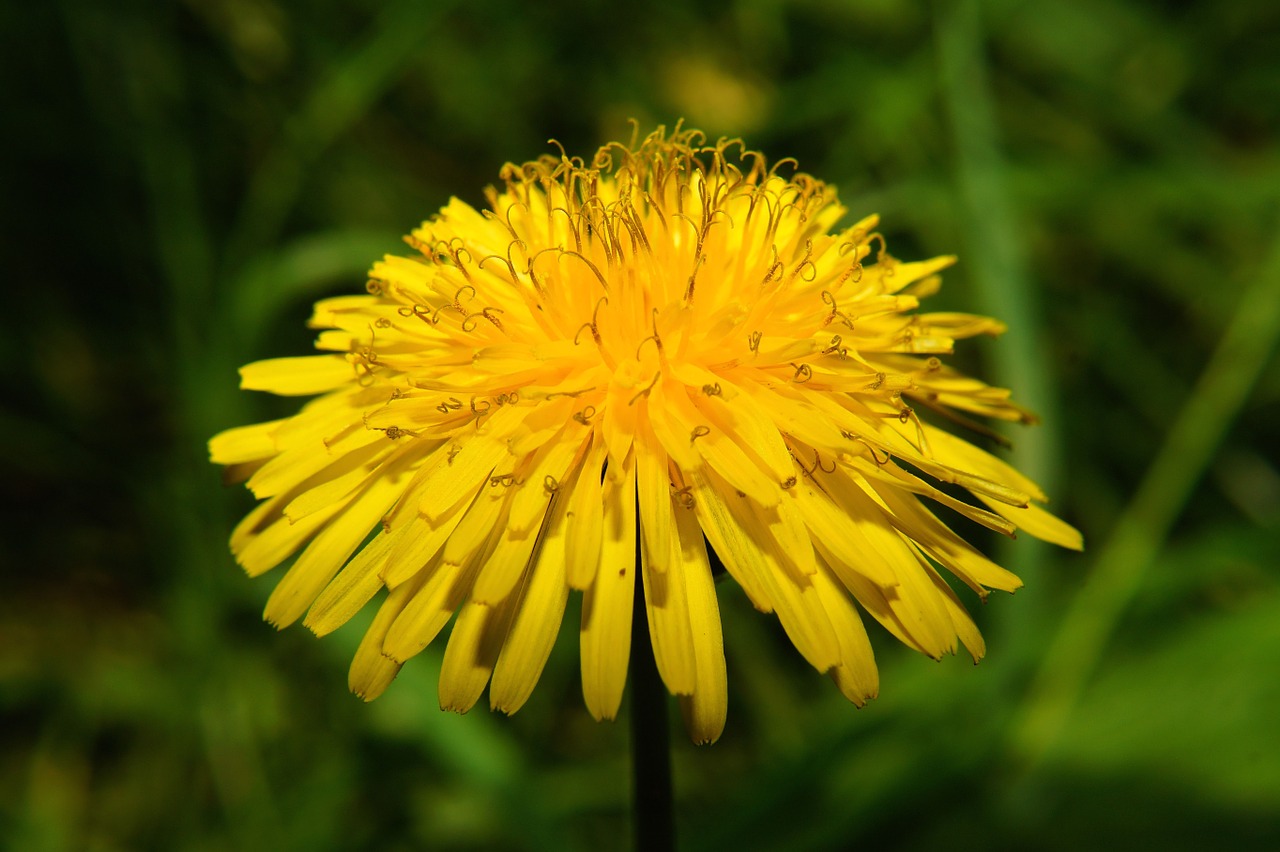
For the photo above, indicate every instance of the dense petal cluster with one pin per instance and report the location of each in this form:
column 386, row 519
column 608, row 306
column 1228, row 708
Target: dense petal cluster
column 621, row 362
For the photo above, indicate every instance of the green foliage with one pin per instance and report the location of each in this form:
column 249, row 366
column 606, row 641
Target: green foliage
column 184, row 179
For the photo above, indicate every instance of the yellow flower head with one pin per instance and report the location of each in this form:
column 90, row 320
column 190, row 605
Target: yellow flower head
column 668, row 346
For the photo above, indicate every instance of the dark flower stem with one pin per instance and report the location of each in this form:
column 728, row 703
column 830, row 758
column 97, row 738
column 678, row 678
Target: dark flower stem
column 651, row 811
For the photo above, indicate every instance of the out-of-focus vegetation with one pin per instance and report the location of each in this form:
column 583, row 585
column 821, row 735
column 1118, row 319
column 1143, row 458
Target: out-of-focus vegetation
column 182, row 180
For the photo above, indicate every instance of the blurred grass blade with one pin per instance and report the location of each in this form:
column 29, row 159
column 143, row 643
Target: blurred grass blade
column 995, row 254
column 1141, row 530
column 342, row 98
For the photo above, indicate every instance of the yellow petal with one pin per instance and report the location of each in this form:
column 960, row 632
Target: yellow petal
column 355, row 586
column 606, row 605
column 585, row 519
column 705, row 710
column 457, row 473
column 719, row 450
column 340, row 479
column 265, row 537
column 750, row 554
column 297, row 463
column 666, row 601
column 441, row 589
column 653, row 488
column 1040, row 524
column 244, row 443
column 953, row 552
column 331, row 548
column 303, row 376
column 473, row 649
column 419, row 546
column 856, row 675
column 543, row 596
column 835, row 536
column 371, row 670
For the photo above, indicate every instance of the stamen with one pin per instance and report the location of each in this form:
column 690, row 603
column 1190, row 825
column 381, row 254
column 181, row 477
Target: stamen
column 595, row 269
column 657, row 341
column 684, row 496
column 693, row 276
column 647, row 388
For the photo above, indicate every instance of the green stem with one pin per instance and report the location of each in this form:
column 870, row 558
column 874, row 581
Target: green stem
column 652, row 808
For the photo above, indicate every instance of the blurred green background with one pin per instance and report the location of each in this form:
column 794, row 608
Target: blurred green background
column 183, row 179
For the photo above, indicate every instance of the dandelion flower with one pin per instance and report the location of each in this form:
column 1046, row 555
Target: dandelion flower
column 618, row 364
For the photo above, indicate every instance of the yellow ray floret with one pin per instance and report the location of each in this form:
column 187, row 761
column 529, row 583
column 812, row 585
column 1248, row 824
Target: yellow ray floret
column 621, row 366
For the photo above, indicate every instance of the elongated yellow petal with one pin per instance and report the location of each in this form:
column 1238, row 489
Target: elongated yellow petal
column 244, row 443
column 355, row 586
column 653, row 491
column 607, row 603
column 424, row 541
column 441, row 589
column 731, row 527
column 705, row 710
column 472, row 651
column 719, row 451
column 666, row 598
column 856, row 675
column 543, row 596
column 297, row 376
column 1040, row 524
column 585, row 520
